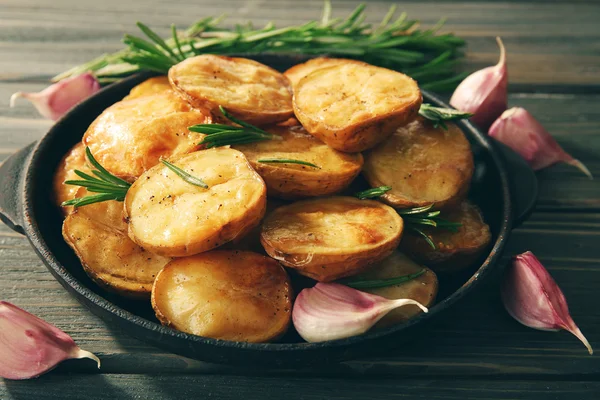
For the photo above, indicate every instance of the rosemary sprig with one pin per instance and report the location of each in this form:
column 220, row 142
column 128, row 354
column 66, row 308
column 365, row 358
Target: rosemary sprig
column 189, row 178
column 395, row 43
column 222, row 135
column 417, row 217
column 372, row 193
column 438, row 115
column 108, row 186
column 377, row 283
column 287, row 161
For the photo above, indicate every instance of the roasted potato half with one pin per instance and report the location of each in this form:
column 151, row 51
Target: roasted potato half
column 247, row 89
column 354, row 106
column 454, row 250
column 157, row 84
column 299, row 71
column 423, row 165
column 169, row 216
column 293, row 181
column 98, row 236
column 330, row 238
column 423, row 288
column 131, row 136
column 230, row 295
column 74, row 159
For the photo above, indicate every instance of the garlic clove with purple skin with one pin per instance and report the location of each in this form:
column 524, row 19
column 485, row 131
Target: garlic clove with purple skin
column 29, row 346
column 533, row 298
column 484, row 93
column 520, row 131
column 330, row 311
column 54, row 101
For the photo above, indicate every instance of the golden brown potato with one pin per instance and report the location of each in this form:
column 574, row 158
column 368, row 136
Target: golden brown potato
column 247, row 89
column 423, row 165
column 454, row 250
column 132, row 135
column 294, row 181
column 330, row 238
column 74, row 159
column 299, row 71
column 354, row 106
column 230, row 295
column 172, row 217
column 422, row 288
column 157, row 84
column 98, row 235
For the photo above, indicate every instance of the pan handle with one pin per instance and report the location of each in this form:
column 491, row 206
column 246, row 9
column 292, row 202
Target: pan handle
column 12, row 172
column 523, row 183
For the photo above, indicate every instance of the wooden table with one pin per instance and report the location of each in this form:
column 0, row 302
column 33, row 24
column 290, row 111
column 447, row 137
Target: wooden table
column 478, row 351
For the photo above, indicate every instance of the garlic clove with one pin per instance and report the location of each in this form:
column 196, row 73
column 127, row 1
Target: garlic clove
column 532, row 297
column 484, row 93
column 330, row 311
column 29, row 346
column 54, row 101
column 520, row 131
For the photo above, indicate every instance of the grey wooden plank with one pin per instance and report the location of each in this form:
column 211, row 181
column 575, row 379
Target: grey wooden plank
column 149, row 387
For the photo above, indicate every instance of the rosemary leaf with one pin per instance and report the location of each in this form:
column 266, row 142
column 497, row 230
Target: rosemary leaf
column 191, row 179
column 372, row 193
column 287, row 161
column 423, row 235
column 438, row 115
column 377, row 283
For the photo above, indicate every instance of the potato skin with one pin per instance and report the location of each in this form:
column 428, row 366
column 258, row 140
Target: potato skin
column 423, row 165
column 330, row 238
column 131, row 136
column 171, row 217
column 74, row 159
column 299, row 71
column 294, row 181
column 247, row 89
column 354, row 106
column 423, row 288
column 454, row 251
column 229, row 295
column 98, row 236
column 157, row 84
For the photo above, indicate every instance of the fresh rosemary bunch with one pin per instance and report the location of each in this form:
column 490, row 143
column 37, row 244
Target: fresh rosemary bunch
column 108, row 186
column 438, row 115
column 395, row 43
column 222, row 135
column 417, row 217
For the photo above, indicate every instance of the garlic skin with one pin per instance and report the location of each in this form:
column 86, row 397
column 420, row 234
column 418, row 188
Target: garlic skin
column 54, row 101
column 330, row 311
column 533, row 298
column 520, row 131
column 484, row 93
column 29, row 346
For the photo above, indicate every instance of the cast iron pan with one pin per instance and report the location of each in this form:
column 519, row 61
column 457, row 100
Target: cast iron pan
column 503, row 186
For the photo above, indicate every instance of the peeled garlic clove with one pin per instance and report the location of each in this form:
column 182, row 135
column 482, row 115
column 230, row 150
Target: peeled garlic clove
column 330, row 311
column 29, row 346
column 57, row 99
column 520, row 131
column 533, row 298
column 484, row 93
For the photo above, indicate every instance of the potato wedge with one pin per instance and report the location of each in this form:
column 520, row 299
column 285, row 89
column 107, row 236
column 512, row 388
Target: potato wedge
column 294, row 181
column 74, row 159
column 172, row 217
column 454, row 250
column 132, row 135
column 423, row 165
column 157, row 84
column 354, row 106
column 247, row 89
column 299, row 71
column 423, row 288
column 98, row 236
column 330, row 238
column 230, row 295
